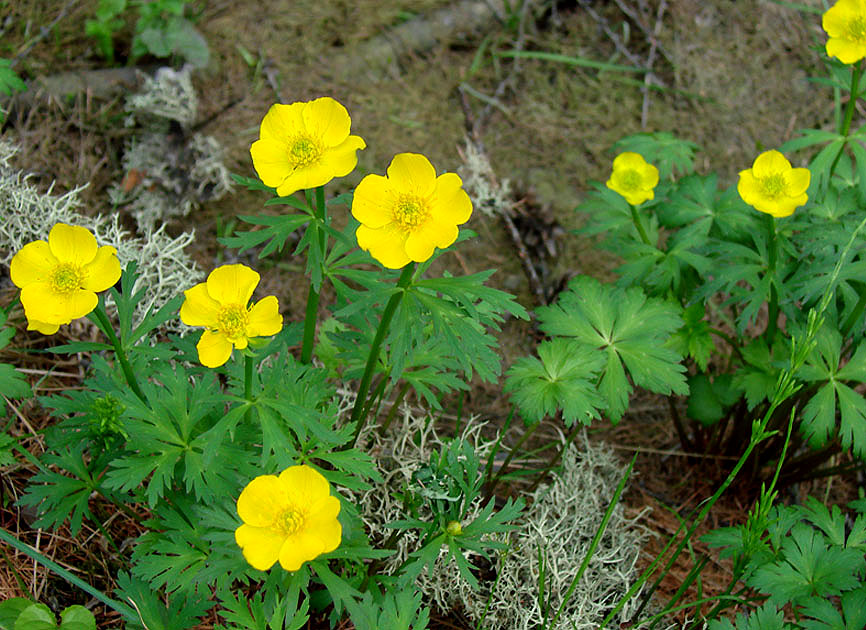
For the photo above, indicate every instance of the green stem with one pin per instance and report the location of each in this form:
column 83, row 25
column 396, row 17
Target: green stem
column 758, row 435
column 638, row 223
column 502, row 469
column 311, row 313
column 390, row 308
column 773, row 250
column 120, row 607
column 108, row 329
column 849, row 114
column 248, row 377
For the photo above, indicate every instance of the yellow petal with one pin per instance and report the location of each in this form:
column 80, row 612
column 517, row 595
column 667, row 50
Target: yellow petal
column 232, row 284
column 199, row 308
column 386, row 244
column 300, row 548
column 748, row 187
column 44, row 328
column 373, row 201
column 420, row 243
column 103, row 271
column 450, row 203
column 32, row 263
column 304, row 486
column 649, row 176
column 43, row 304
column 260, row 546
column 328, row 120
column 213, row 349
column 262, row 501
column 72, row 244
column 282, row 122
column 770, row 163
column 836, row 19
column 265, row 318
column 271, row 161
column 628, row 161
column 846, row 50
column 798, row 181
column 341, row 160
column 412, row 173
column 304, row 178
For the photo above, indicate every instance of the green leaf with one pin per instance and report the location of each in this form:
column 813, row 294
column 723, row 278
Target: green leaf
column 13, row 383
column 632, row 329
column 694, row 339
column 10, row 609
column 767, row 617
column 77, row 618
column 36, row 617
column 704, row 405
column 669, row 154
column 276, row 231
column 10, row 82
column 808, row 567
column 563, row 377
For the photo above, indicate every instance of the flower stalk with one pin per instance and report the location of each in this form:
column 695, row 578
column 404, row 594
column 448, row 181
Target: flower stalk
column 360, row 402
column 773, row 252
column 856, row 71
column 638, row 223
column 311, row 314
column 105, row 325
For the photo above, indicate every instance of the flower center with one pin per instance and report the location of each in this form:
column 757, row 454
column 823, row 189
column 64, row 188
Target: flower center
column 232, row 321
column 303, row 151
column 410, row 212
column 631, row 180
column 66, row 278
column 290, row 521
column 773, row 186
column 857, row 29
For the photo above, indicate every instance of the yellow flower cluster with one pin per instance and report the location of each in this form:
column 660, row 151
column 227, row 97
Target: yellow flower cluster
column 404, row 216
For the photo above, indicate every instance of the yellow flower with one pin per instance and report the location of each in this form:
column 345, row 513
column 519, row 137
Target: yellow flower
column 845, row 23
column 220, row 304
column 59, row 279
column 407, row 214
column 291, row 518
column 633, row 178
column 305, row 145
column 772, row 186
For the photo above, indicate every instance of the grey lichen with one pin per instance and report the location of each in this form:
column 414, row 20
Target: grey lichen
column 170, row 168
column 560, row 522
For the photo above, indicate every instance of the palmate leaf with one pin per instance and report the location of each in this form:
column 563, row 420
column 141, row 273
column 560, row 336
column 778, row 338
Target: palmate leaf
column 165, row 429
column 632, row 329
column 697, row 203
column 808, row 567
column 767, row 617
column 819, row 414
column 663, row 149
column 694, row 338
column 561, row 378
